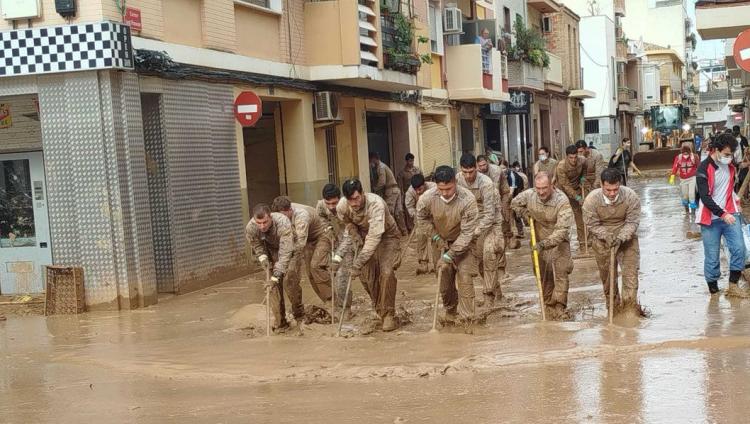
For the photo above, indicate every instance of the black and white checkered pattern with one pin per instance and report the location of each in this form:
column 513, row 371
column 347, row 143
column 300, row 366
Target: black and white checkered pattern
column 65, row 48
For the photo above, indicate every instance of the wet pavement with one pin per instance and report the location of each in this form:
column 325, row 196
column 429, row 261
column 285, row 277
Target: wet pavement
column 202, row 357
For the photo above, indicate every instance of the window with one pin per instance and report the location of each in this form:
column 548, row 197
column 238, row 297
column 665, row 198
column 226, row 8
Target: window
column 547, row 24
column 591, row 126
column 506, row 19
column 436, row 29
column 17, row 227
column 273, row 5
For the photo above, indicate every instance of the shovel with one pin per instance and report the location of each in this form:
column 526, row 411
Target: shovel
column 268, row 301
column 537, row 272
column 612, row 284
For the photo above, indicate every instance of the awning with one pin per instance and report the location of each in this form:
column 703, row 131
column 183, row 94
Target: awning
column 582, row 94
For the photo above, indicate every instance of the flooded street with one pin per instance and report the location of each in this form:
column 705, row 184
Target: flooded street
column 194, row 358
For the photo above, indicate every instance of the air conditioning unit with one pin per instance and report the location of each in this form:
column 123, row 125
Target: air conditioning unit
column 327, row 106
column 452, row 20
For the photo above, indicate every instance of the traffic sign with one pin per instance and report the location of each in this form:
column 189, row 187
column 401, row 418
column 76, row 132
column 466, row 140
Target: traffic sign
column 742, row 50
column 248, row 108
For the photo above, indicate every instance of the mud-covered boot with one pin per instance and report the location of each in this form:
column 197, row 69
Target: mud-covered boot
column 489, row 300
column 283, row 328
column 713, row 286
column 390, row 323
column 512, row 243
column 423, row 267
column 449, row 317
column 734, row 290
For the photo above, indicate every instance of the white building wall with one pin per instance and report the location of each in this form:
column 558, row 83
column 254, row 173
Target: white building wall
column 602, row 7
column 597, row 59
column 662, row 25
column 517, row 7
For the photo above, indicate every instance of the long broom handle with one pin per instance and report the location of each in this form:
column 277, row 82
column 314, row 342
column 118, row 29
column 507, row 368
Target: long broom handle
column 346, row 296
column 537, row 273
column 333, row 283
column 612, row 285
column 431, row 255
column 585, row 230
column 268, row 301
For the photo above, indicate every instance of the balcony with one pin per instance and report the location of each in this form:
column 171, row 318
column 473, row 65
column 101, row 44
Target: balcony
column 623, row 95
column 553, row 73
column 523, row 75
column 620, row 7
column 348, row 48
column 621, row 50
column 475, row 76
column 720, row 19
column 544, row 6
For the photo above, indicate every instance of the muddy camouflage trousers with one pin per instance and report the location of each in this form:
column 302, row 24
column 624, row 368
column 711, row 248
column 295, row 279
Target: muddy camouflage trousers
column 457, row 286
column 379, row 276
column 629, row 259
column 489, row 251
column 554, row 266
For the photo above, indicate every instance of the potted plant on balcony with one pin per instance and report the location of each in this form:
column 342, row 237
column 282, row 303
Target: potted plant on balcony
column 529, row 47
column 400, row 55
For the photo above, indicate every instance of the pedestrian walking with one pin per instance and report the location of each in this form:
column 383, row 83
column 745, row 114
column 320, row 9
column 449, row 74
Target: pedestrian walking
column 550, row 210
column 686, row 165
column 719, row 216
column 623, row 161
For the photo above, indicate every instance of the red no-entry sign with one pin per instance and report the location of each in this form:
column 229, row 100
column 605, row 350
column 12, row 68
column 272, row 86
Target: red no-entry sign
column 248, row 108
column 742, row 50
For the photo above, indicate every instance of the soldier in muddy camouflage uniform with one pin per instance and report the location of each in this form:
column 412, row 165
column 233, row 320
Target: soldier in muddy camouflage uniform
column 595, row 164
column 366, row 215
column 447, row 213
column 417, row 187
column 271, row 237
column 553, row 218
column 344, row 253
column 499, row 176
column 385, row 186
column 312, row 244
column 571, row 177
column 489, row 248
column 612, row 214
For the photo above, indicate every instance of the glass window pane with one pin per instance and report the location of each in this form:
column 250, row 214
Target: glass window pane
column 16, row 205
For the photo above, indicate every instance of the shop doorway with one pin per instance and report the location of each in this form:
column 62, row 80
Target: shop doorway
column 261, row 164
column 467, row 136
column 379, row 136
column 24, row 223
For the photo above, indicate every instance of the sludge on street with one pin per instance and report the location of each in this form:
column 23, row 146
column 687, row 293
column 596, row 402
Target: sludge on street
column 521, row 211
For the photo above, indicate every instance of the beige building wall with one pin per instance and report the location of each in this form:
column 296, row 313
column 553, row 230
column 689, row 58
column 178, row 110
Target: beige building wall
column 251, row 24
column 217, row 17
column 88, row 11
column 183, row 22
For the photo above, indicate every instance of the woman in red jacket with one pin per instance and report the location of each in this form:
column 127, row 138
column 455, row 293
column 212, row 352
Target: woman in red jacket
column 685, row 165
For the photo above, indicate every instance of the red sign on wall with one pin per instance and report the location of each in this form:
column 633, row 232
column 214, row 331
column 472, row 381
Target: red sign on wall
column 248, row 108
column 133, row 18
column 742, row 50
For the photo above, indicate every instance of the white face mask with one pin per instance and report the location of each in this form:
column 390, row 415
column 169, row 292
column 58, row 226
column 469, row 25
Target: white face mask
column 542, row 157
column 448, row 200
column 724, row 160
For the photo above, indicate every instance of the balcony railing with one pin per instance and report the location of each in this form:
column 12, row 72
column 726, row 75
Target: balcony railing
column 525, row 75
column 474, row 74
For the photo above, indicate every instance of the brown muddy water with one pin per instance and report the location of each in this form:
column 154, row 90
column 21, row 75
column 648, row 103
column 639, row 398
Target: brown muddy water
column 203, row 358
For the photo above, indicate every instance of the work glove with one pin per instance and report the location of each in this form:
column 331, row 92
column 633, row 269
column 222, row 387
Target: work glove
column 355, row 272
column 671, row 179
column 263, row 259
column 540, row 246
column 336, row 263
column 445, row 263
column 579, row 198
column 436, row 238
